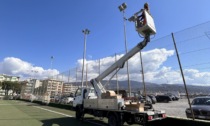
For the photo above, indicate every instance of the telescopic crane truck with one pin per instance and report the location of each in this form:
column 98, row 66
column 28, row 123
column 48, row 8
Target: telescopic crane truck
column 101, row 103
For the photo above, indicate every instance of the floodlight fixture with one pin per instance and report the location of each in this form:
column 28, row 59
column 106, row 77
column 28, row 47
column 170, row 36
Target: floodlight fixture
column 122, row 7
column 86, row 31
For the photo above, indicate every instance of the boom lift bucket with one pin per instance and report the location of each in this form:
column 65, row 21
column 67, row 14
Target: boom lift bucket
column 145, row 27
column 148, row 26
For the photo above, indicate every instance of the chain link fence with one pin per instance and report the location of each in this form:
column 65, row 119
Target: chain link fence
column 161, row 69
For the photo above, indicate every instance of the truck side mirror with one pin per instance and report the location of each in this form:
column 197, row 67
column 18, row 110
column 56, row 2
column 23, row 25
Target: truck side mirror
column 84, row 92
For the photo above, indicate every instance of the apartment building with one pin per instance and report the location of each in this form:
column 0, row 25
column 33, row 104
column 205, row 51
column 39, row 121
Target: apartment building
column 69, row 88
column 4, row 77
column 52, row 87
column 29, row 86
column 47, row 87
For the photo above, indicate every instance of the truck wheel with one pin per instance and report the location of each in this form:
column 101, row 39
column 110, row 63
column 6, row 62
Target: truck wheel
column 112, row 121
column 129, row 123
column 79, row 113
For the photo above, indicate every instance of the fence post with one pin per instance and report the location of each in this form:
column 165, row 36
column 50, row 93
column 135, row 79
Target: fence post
column 180, row 66
column 142, row 72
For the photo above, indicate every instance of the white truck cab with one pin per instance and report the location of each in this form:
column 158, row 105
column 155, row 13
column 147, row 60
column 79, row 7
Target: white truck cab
column 83, row 93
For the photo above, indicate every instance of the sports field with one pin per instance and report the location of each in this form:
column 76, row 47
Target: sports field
column 20, row 113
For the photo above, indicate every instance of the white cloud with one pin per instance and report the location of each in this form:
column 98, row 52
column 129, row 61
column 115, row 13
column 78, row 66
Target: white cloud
column 170, row 76
column 155, row 71
column 153, row 61
column 18, row 67
column 196, row 77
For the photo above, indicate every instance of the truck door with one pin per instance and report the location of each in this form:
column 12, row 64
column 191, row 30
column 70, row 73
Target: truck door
column 78, row 97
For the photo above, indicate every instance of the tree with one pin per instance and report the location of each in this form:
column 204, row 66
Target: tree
column 17, row 88
column 0, row 84
column 8, row 85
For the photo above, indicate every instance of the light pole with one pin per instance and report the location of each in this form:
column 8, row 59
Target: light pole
column 33, row 81
column 86, row 75
column 122, row 8
column 51, row 63
column 86, row 32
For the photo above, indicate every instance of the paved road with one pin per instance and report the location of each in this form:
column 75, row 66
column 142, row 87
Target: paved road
column 173, row 108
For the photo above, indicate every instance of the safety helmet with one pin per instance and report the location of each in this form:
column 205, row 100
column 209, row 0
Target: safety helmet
column 146, row 5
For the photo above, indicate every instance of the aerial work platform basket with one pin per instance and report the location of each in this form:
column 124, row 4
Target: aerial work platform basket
column 147, row 25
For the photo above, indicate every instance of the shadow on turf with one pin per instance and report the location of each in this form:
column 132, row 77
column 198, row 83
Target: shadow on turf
column 71, row 121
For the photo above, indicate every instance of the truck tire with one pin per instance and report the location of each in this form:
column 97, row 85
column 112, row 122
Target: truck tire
column 79, row 113
column 112, row 120
column 129, row 123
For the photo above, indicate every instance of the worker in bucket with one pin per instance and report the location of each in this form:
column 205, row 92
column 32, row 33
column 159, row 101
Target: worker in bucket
column 141, row 19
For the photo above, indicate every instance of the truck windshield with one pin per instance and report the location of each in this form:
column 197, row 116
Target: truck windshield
column 92, row 90
column 78, row 92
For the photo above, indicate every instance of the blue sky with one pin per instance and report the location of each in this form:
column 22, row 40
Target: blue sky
column 33, row 31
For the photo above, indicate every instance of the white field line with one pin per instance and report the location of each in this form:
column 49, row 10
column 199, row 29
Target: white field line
column 12, row 104
column 66, row 115
column 53, row 111
column 9, row 104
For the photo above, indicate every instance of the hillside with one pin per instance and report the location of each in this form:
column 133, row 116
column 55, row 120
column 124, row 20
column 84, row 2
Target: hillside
column 152, row 87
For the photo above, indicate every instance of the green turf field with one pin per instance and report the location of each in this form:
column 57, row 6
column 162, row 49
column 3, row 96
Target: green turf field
column 19, row 113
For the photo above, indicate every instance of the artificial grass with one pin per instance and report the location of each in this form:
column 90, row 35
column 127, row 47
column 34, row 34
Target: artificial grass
column 19, row 113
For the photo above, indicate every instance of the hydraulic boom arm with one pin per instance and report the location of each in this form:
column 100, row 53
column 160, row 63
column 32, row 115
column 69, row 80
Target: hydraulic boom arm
column 117, row 65
column 146, row 29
